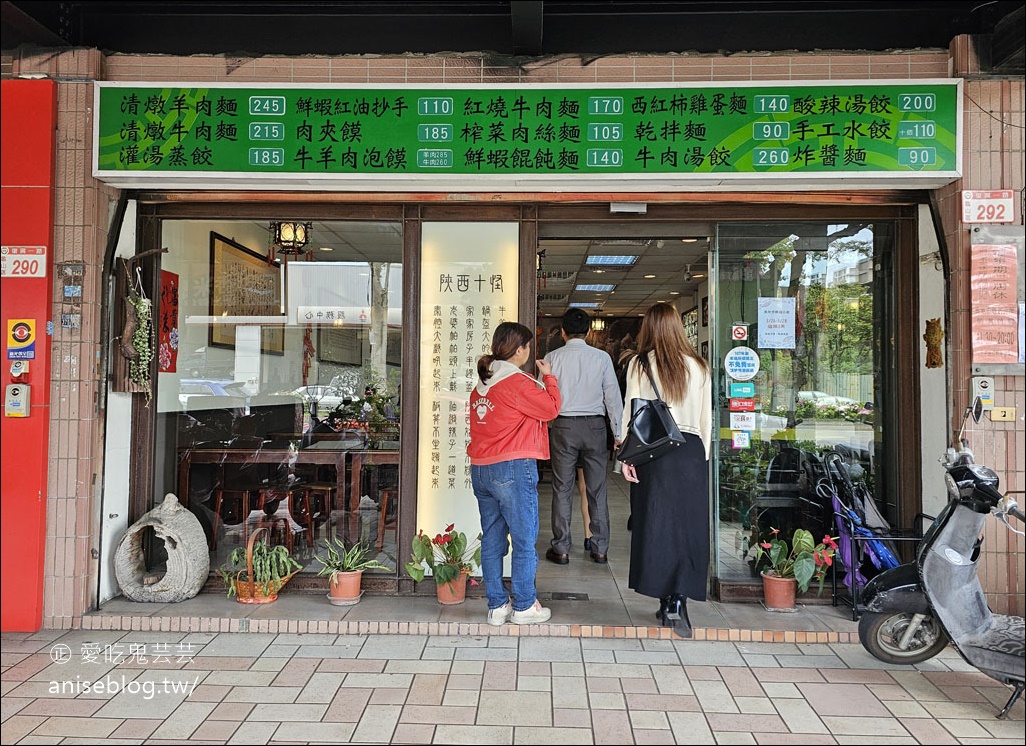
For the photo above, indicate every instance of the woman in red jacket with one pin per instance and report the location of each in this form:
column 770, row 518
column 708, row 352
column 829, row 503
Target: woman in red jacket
column 508, row 412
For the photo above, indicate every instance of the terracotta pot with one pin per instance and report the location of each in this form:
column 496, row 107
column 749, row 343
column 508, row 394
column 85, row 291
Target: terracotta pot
column 344, row 587
column 779, row 593
column 453, row 592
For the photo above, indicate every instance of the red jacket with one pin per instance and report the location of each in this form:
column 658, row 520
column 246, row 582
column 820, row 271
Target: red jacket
column 508, row 415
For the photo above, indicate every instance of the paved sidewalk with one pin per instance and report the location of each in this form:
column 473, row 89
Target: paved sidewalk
column 211, row 687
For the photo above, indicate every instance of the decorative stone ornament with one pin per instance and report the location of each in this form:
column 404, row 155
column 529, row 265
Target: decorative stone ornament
column 188, row 559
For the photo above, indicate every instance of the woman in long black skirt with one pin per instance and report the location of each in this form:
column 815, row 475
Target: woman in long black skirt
column 670, row 496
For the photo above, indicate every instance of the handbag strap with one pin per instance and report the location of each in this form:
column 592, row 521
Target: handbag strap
column 644, row 365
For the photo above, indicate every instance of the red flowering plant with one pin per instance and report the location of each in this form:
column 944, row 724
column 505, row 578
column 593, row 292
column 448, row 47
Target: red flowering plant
column 448, row 554
column 805, row 561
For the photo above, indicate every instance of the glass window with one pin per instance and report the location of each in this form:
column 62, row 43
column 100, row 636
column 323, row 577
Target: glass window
column 278, row 388
column 803, row 297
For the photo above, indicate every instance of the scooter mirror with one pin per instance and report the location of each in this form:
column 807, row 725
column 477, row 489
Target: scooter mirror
column 977, row 410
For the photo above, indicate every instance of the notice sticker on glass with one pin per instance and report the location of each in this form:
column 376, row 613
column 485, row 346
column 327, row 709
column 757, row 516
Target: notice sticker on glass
column 776, row 323
column 741, row 439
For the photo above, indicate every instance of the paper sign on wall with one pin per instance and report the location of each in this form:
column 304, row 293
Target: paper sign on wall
column 776, row 323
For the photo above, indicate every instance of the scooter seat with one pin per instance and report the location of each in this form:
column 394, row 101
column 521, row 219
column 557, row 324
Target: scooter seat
column 1006, row 635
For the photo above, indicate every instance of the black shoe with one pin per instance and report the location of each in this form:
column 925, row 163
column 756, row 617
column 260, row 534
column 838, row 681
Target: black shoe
column 663, row 603
column 587, row 545
column 599, row 558
column 678, row 607
column 630, row 523
column 672, row 612
column 553, row 556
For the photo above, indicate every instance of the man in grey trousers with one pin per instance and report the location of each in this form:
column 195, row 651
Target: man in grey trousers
column 591, row 397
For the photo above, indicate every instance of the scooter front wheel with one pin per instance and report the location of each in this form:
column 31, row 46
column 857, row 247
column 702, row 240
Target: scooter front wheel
column 883, row 635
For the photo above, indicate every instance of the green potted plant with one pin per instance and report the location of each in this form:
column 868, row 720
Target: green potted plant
column 792, row 569
column 343, row 565
column 256, row 573
column 451, row 560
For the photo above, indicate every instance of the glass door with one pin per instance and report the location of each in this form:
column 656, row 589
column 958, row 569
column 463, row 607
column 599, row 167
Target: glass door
column 803, row 297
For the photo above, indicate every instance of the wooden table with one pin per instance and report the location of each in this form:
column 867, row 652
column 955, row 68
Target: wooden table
column 322, row 457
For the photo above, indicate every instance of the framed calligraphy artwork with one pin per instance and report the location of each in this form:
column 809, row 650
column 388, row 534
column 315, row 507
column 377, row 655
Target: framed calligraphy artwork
column 244, row 286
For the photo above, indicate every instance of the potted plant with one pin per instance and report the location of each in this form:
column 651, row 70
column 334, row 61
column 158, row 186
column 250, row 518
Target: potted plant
column 451, row 560
column 344, row 565
column 792, row 569
column 256, row 573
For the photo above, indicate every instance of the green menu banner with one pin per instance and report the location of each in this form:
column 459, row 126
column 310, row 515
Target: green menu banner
column 905, row 127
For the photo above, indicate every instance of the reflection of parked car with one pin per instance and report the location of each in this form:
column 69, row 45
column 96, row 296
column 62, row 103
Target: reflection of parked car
column 323, row 397
column 195, row 393
column 823, row 399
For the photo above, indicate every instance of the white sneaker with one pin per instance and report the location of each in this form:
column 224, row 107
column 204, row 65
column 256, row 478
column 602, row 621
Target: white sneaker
column 500, row 615
column 533, row 615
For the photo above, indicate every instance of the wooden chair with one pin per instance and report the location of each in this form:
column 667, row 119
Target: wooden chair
column 387, row 497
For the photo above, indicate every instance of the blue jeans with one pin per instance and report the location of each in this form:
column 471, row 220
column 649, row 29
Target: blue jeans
column 507, row 498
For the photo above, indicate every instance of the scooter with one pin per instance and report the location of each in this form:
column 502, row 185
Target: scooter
column 914, row 610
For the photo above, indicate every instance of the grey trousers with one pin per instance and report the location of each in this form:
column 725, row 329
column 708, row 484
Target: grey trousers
column 573, row 441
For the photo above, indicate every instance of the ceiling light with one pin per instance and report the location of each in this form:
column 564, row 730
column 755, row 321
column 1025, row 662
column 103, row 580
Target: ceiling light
column 595, row 288
column 290, row 236
column 585, row 305
column 674, row 292
column 649, row 277
column 598, row 325
column 327, row 248
column 611, row 260
column 636, row 208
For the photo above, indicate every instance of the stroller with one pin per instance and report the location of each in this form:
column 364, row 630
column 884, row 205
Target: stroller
column 867, row 543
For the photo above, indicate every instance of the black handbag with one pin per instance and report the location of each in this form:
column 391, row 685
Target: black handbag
column 651, row 432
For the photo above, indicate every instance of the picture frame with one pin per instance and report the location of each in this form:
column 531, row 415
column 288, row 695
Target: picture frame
column 340, row 345
column 690, row 320
column 243, row 283
column 705, row 350
column 705, row 311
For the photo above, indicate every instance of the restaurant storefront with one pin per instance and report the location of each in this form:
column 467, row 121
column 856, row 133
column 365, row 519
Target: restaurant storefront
column 317, row 387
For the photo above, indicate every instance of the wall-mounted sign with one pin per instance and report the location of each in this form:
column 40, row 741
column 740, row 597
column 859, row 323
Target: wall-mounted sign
column 21, row 339
column 741, row 363
column 995, row 206
column 742, row 421
column 231, row 133
column 742, row 405
column 995, row 317
column 735, row 388
column 739, row 332
column 22, row 261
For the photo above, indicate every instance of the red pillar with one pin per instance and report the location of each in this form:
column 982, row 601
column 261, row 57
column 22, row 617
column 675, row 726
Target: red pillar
column 28, row 121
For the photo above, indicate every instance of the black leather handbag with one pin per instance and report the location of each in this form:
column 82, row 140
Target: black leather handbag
column 651, row 432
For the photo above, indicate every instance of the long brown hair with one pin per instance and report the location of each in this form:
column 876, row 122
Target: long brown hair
column 509, row 337
column 662, row 333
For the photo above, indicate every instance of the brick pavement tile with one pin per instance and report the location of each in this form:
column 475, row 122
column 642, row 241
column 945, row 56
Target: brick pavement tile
column 427, row 689
column 28, row 667
column 393, row 647
column 219, row 663
column 473, row 734
column 318, row 652
column 389, row 697
column 928, row 730
column 286, row 712
column 889, row 692
column 372, row 680
column 714, row 696
column 906, row 709
column 297, row 672
column 214, row 730
column 268, row 663
column 703, row 673
column 650, row 719
column 436, row 714
column 413, row 733
column 919, row 687
column 672, row 680
column 611, row 726
column 231, row 711
column 534, row 684
column 240, row 678
column 966, row 694
column 793, row 675
column 486, row 654
column 467, row 667
column 209, row 692
column 136, row 729
column 691, row 727
column 639, row 686
column 12, row 706
column 535, row 668
column 864, row 727
column 754, row 705
column 646, row 736
column 377, row 724
column 569, row 692
column 548, row 649
column 347, row 665
column 461, row 697
column 17, row 727
column 309, row 638
column 95, row 727
column 603, row 684
column 278, row 695
column 253, row 733
column 499, row 675
column 1002, row 728
column 70, row 708
column 181, row 723
column 515, row 708
column 667, row 702
column 799, row 717
column 842, row 699
column 566, row 717
column 607, row 701
column 740, row 682
column 321, row 688
column 406, row 665
column 728, row 722
column 535, row 734
column 963, row 729
column 347, row 705
column 315, row 732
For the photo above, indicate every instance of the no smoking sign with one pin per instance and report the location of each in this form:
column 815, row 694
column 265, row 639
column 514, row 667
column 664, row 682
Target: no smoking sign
column 739, row 332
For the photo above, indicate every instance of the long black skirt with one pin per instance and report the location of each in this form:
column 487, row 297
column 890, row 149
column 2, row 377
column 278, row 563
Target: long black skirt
column 670, row 524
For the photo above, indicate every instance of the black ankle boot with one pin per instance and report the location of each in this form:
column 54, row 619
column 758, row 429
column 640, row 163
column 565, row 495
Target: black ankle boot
column 682, row 626
column 663, row 603
column 671, row 614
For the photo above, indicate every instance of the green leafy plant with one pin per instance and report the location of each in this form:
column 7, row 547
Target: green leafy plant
column 805, row 561
column 272, row 566
column 142, row 341
column 340, row 557
column 448, row 554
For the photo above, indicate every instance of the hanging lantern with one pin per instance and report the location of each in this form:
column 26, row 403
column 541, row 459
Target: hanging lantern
column 290, row 236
